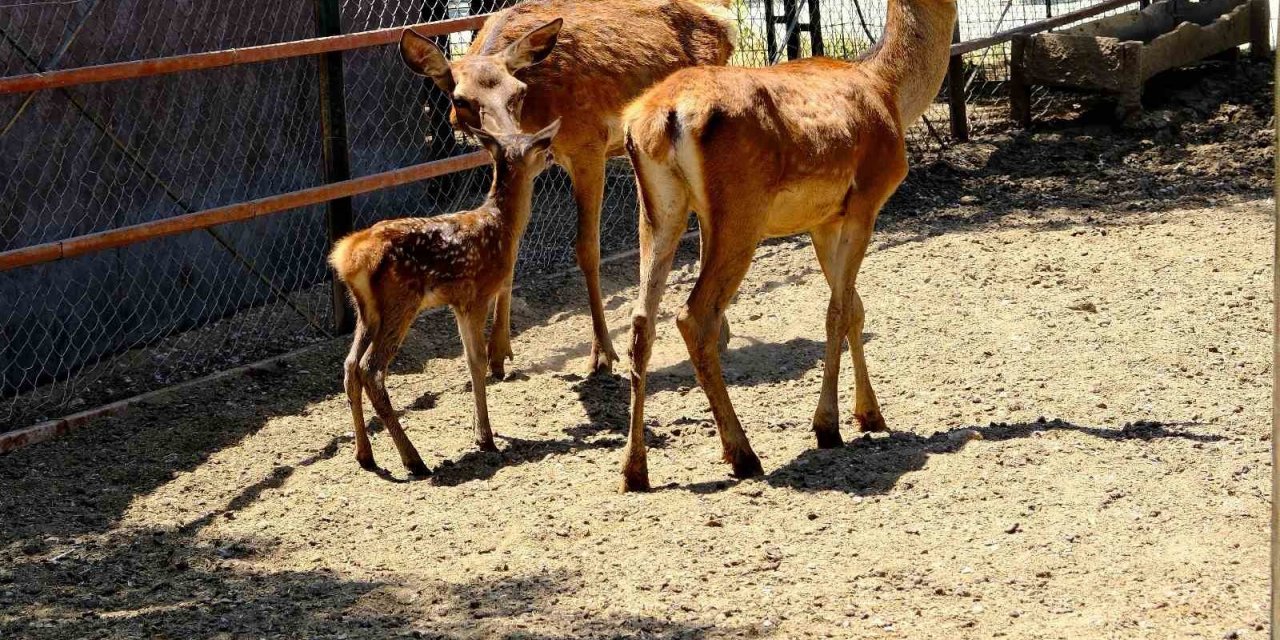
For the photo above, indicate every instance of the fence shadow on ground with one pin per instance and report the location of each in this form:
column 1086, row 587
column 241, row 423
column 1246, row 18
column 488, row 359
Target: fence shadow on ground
column 868, row 465
column 167, row 583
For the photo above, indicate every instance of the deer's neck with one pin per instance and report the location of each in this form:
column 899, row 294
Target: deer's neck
column 913, row 52
column 511, row 197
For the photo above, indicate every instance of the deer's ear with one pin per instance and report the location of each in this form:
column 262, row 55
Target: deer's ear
column 534, row 47
column 542, row 139
column 489, row 141
column 425, row 58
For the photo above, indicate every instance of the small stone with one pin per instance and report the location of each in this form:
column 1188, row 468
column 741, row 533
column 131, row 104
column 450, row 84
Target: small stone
column 1083, row 305
column 965, row 435
column 1013, row 528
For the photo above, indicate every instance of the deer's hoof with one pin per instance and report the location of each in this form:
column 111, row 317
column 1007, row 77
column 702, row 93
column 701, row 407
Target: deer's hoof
column 746, row 464
column 417, row 469
column 601, row 361
column 633, row 481
column 366, row 462
column 487, row 445
column 497, row 370
column 871, row 421
column 829, row 438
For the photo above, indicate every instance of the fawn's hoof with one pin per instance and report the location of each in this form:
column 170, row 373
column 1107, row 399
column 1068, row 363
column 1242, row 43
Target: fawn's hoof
column 366, row 462
column 418, row 469
column 871, row 421
column 746, row 464
column 829, row 438
column 497, row 370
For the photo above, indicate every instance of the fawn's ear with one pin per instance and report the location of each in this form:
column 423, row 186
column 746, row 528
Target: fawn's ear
column 534, row 47
column 425, row 58
column 489, row 141
column 542, row 139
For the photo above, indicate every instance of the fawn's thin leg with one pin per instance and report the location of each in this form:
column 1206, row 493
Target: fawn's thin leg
column 471, row 328
column 663, row 212
column 728, row 258
column 500, row 336
column 586, row 169
column 373, row 371
column 351, row 380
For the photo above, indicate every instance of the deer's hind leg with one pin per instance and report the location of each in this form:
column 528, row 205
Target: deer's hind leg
column 725, row 335
column 664, row 212
column 726, row 260
column 499, row 348
column 471, row 328
column 394, row 323
column 352, row 380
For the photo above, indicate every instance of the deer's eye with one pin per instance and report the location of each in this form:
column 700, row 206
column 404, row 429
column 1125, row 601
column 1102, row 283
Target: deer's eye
column 462, row 104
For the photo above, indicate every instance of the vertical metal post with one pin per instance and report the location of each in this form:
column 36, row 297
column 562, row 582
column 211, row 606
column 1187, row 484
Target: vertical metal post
column 1048, row 9
column 770, row 36
column 791, row 16
column 337, row 159
column 955, row 93
column 815, row 29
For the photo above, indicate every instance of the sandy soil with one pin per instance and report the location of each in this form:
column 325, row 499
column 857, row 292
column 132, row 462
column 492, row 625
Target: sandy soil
column 1079, row 392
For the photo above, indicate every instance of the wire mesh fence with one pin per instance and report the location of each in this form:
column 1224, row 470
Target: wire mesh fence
column 80, row 332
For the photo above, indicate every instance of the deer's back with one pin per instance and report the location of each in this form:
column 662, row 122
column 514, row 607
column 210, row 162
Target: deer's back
column 608, row 52
column 455, row 256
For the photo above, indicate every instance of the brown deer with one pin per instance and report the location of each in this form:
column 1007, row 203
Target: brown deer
column 397, row 268
column 581, row 62
column 815, row 145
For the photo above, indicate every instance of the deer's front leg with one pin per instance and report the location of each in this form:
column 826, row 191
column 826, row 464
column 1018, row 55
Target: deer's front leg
column 471, row 328
column 586, row 169
column 500, row 335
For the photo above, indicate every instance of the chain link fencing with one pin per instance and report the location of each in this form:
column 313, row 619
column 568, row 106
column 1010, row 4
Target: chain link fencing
column 84, row 331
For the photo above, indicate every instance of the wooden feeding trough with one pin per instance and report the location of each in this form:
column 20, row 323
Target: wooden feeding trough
column 1117, row 54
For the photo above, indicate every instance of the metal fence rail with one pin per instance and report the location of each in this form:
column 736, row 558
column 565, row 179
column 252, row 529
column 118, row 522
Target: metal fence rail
column 172, row 173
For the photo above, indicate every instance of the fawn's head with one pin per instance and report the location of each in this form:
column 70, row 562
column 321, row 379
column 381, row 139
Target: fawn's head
column 483, row 88
column 524, row 154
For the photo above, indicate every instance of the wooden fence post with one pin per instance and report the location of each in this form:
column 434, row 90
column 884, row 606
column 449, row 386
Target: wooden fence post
column 336, row 154
column 956, row 93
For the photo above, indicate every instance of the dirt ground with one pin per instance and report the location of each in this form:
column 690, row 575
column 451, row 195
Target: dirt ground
column 1071, row 347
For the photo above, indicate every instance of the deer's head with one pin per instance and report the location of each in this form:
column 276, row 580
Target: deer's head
column 525, row 154
column 483, row 88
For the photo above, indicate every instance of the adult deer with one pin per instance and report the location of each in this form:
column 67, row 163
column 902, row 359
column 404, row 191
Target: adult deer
column 815, row 146
column 581, row 62
column 398, row 268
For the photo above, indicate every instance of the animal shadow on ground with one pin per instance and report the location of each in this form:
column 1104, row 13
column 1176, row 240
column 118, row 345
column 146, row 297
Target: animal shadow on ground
column 607, row 399
column 869, row 465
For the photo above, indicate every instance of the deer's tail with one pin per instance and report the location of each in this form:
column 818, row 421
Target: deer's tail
column 354, row 258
